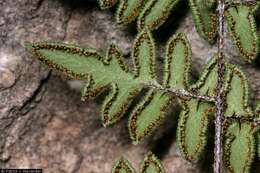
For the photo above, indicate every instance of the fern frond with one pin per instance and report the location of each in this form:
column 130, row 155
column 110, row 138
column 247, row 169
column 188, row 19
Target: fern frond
column 111, row 73
column 98, row 72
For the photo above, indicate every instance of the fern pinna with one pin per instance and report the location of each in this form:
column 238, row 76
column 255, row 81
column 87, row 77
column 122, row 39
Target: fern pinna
column 150, row 164
column 197, row 100
column 153, row 13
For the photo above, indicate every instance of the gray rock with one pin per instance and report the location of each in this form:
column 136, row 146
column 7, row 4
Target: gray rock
column 43, row 123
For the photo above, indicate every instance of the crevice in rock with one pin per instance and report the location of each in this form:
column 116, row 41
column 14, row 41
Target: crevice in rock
column 36, row 96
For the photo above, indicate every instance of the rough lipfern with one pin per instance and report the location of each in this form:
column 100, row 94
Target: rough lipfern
column 197, row 100
column 111, row 72
column 153, row 13
column 150, row 164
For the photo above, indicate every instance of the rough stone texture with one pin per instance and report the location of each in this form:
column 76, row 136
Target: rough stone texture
column 63, row 134
column 43, row 123
column 175, row 164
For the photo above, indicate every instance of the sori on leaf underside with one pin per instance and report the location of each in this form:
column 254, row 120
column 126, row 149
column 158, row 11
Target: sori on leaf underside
column 109, row 71
column 153, row 13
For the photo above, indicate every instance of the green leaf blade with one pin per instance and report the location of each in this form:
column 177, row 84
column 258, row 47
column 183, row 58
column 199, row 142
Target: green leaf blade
column 194, row 119
column 177, row 63
column 118, row 101
column 236, row 89
column 193, row 127
column 98, row 72
column 151, row 164
column 155, row 13
column 123, row 166
column 242, row 28
column 207, row 83
column 205, row 19
column 128, row 10
column 68, row 59
column 239, row 149
column 144, row 57
column 148, row 115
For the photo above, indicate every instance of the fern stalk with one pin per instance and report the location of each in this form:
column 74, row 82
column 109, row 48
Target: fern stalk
column 254, row 121
column 220, row 88
column 180, row 92
column 243, row 1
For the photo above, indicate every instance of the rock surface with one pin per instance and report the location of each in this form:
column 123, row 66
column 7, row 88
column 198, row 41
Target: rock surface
column 43, row 123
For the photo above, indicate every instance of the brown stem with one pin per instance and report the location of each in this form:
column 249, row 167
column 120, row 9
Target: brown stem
column 220, row 86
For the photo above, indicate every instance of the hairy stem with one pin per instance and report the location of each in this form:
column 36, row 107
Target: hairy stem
column 242, row 1
column 180, row 92
column 237, row 2
column 255, row 122
column 220, row 88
